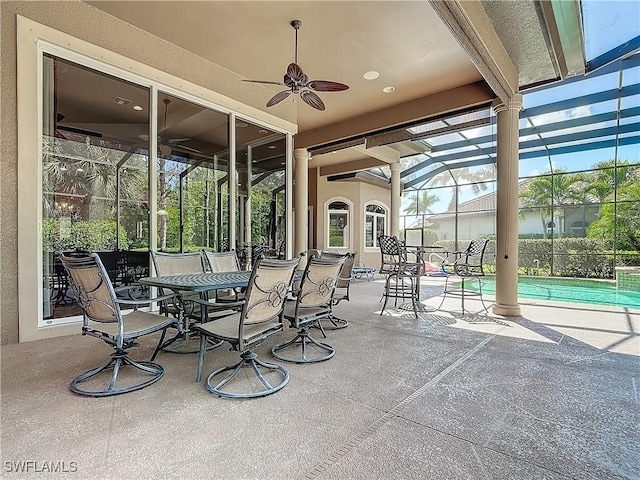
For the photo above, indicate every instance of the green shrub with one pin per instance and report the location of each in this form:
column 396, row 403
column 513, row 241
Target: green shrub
column 64, row 234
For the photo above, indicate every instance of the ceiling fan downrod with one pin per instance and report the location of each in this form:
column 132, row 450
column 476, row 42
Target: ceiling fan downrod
column 296, row 24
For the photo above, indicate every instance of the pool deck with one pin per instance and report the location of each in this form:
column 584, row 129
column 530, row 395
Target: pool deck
column 552, row 394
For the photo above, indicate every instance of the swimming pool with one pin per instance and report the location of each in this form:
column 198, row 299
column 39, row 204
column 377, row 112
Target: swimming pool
column 594, row 292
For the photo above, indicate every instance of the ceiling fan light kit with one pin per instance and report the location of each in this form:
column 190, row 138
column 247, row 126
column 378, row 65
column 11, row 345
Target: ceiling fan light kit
column 299, row 84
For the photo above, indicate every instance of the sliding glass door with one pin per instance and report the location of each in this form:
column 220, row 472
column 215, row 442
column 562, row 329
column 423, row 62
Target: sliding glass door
column 112, row 187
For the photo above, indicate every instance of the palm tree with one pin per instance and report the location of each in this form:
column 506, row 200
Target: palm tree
column 552, row 190
column 475, row 178
column 608, row 175
column 420, row 203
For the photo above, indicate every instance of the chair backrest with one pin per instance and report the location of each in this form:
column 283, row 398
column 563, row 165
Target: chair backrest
column 90, row 281
column 471, row 262
column 313, row 252
column 475, row 252
column 390, row 253
column 319, row 281
column 177, row 263
column 136, row 265
column 344, row 278
column 267, row 291
column 110, row 261
column 222, row 261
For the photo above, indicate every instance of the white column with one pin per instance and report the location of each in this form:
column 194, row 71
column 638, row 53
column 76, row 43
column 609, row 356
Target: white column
column 507, row 208
column 301, row 174
column 395, row 199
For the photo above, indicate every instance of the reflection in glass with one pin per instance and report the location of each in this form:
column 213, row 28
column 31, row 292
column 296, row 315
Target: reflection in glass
column 193, row 180
column 94, row 174
column 260, row 164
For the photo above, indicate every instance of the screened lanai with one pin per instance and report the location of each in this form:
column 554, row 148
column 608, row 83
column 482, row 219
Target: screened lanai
column 579, row 171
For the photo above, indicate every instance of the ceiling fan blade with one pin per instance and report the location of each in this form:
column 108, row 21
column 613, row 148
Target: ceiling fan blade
column 267, row 82
column 327, row 86
column 173, row 140
column 312, row 99
column 295, row 72
column 278, row 97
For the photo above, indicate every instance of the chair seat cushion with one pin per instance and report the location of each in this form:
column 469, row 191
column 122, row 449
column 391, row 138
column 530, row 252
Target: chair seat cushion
column 305, row 314
column 136, row 324
column 227, row 328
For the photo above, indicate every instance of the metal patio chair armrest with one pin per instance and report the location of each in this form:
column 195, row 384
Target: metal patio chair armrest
column 214, row 304
column 146, row 301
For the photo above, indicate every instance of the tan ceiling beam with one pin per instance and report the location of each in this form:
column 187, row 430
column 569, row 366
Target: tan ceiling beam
column 354, row 166
column 386, row 154
column 474, row 94
column 471, row 26
column 417, row 147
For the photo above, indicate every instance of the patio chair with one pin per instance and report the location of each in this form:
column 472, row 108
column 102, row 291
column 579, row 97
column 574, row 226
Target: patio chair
column 389, row 254
column 342, row 290
column 463, row 265
column 313, row 302
column 261, row 317
column 403, row 270
column 103, row 319
column 189, row 306
column 224, row 262
column 178, row 264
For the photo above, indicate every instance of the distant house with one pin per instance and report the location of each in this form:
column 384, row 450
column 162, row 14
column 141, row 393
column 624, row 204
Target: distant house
column 477, row 217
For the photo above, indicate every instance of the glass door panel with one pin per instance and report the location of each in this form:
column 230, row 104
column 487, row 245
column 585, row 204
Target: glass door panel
column 260, row 166
column 193, row 164
column 94, row 174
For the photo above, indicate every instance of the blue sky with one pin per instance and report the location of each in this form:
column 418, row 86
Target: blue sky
column 607, row 24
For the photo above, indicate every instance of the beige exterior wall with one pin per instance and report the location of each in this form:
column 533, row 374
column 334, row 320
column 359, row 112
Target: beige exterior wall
column 84, row 22
column 357, row 194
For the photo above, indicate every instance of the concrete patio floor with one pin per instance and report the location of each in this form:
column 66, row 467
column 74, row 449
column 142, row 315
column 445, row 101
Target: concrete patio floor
column 552, row 394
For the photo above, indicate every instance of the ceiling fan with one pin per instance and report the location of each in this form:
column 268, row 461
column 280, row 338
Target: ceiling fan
column 298, row 83
column 166, row 146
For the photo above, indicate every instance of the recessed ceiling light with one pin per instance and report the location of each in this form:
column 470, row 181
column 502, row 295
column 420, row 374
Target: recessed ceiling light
column 262, row 130
column 371, row 75
column 137, row 107
column 272, row 147
column 388, row 89
column 242, row 125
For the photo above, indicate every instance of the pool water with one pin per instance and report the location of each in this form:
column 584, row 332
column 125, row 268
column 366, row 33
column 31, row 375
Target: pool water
column 592, row 292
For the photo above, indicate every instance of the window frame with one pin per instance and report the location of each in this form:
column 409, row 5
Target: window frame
column 329, row 211
column 377, row 217
column 34, row 40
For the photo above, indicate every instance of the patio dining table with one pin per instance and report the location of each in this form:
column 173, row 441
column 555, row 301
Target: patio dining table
column 193, row 283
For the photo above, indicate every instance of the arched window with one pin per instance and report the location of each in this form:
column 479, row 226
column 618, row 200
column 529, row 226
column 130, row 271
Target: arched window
column 375, row 224
column 338, row 231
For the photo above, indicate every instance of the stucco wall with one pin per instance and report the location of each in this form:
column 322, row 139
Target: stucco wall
column 87, row 23
column 358, row 194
